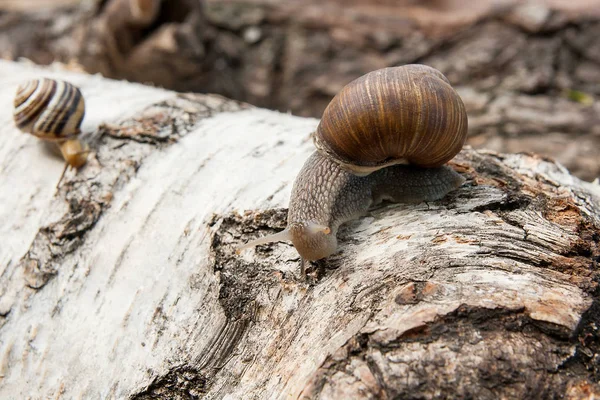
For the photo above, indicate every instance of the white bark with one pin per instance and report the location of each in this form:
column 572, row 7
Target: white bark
column 124, row 281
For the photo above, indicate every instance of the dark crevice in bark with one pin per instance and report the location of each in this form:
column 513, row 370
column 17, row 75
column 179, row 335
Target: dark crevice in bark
column 586, row 359
column 241, row 282
column 180, row 383
column 513, row 201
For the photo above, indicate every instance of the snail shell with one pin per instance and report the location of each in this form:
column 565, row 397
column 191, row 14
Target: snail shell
column 399, row 115
column 49, row 109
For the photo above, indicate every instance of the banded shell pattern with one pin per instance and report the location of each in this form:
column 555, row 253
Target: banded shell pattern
column 398, row 115
column 49, row 109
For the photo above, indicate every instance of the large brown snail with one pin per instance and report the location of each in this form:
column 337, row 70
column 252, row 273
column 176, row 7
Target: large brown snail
column 402, row 115
column 52, row 110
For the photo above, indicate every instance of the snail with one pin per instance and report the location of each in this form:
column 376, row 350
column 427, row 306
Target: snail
column 389, row 117
column 52, row 110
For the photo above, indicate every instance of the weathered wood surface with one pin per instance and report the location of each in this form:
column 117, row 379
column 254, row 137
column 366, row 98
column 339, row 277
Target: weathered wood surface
column 124, row 282
column 522, row 67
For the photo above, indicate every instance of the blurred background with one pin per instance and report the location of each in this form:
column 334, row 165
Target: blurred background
column 528, row 71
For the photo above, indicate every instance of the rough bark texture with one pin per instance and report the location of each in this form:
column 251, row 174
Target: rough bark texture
column 123, row 282
column 523, row 68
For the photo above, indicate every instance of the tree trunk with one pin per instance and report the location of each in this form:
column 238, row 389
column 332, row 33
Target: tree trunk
column 123, row 281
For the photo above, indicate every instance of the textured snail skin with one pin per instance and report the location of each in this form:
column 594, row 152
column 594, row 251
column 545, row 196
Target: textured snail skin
column 52, row 110
column 324, row 194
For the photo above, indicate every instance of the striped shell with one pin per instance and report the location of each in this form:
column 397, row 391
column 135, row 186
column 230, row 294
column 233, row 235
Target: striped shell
column 398, row 115
column 49, row 109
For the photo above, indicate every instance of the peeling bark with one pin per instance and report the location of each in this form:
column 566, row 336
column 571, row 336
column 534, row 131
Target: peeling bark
column 123, row 282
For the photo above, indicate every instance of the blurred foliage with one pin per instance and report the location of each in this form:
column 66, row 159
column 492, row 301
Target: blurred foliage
column 580, row 97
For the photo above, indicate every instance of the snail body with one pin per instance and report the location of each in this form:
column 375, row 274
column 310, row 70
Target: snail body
column 403, row 115
column 319, row 206
column 52, row 110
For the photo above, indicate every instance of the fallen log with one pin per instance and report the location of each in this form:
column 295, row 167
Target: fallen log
column 123, row 281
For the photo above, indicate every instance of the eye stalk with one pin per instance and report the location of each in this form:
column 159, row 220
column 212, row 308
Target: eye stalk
column 282, row 236
column 298, row 234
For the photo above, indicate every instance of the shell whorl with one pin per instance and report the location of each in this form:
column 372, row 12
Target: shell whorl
column 399, row 115
column 49, row 109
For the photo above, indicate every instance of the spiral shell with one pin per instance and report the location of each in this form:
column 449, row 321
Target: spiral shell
column 49, row 109
column 399, row 115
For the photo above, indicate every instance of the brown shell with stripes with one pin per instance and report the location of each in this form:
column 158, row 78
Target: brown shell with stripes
column 49, row 109
column 399, row 115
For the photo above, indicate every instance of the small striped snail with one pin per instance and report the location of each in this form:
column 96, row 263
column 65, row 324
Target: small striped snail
column 52, row 110
column 401, row 115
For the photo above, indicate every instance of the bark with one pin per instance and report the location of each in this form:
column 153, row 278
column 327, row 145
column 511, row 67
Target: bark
column 523, row 68
column 123, row 281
